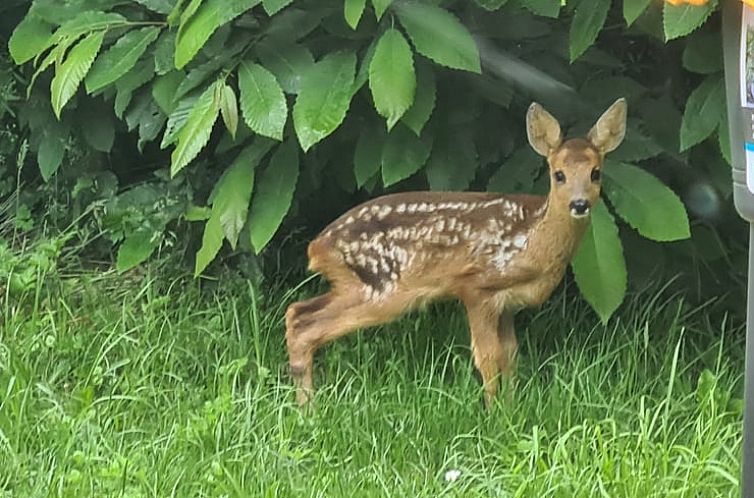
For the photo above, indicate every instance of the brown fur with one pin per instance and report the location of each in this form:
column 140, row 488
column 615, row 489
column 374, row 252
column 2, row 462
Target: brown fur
column 495, row 253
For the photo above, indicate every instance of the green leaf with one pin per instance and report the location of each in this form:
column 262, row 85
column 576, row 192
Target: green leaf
column 352, row 11
column 287, row 61
column 680, row 20
column 367, row 158
column 131, row 81
column 197, row 213
column 424, row 101
column 137, row 248
column 636, row 146
column 453, row 162
column 195, row 31
column 272, row 7
column 600, row 91
column 380, row 6
column 120, row 58
column 164, row 89
column 492, row 89
column 85, row 23
column 263, row 104
column 599, row 266
column 164, row 53
column 517, row 173
column 56, row 11
column 175, row 13
column 324, row 99
column 391, row 77
column 177, row 120
column 703, row 53
column 70, row 73
column 439, row 35
column 97, row 126
column 546, row 8
column 723, row 138
column 403, row 154
column 704, row 107
column 198, row 76
column 145, row 115
column 187, row 13
column 29, row 39
column 490, row 5
column 54, row 55
column 362, row 75
column 294, row 24
column 632, row 9
column 229, row 109
column 274, row 195
column 195, row 133
column 587, row 22
column 645, row 202
column 50, row 154
column 159, row 6
column 230, row 203
column 233, row 192
column 212, row 241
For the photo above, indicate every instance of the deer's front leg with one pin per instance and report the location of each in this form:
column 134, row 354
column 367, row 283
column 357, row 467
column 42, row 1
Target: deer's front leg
column 488, row 351
column 509, row 345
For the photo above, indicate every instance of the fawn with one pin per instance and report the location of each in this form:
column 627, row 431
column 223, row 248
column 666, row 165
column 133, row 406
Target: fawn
column 496, row 253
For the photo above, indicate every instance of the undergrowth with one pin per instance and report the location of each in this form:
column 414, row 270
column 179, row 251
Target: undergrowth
column 145, row 386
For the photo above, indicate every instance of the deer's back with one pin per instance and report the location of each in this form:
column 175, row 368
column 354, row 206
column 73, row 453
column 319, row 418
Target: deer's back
column 424, row 239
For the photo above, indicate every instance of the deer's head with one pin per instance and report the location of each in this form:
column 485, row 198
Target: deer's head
column 576, row 164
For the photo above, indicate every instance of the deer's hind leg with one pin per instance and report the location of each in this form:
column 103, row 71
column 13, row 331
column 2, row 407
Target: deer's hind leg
column 313, row 323
column 298, row 316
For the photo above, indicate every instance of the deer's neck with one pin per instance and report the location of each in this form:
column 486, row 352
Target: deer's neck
column 558, row 234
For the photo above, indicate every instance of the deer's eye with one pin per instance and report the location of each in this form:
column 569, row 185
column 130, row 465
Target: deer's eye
column 596, row 175
column 559, row 177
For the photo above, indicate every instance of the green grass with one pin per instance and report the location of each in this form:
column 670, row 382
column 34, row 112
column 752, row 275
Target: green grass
column 155, row 388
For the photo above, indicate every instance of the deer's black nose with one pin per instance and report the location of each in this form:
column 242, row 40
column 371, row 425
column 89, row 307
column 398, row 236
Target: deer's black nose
column 579, row 207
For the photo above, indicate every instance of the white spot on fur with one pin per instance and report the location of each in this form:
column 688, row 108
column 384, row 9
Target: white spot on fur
column 493, row 202
column 540, row 211
column 519, row 241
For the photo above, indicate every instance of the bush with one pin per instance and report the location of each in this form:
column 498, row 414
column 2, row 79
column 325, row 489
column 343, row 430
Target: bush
column 244, row 114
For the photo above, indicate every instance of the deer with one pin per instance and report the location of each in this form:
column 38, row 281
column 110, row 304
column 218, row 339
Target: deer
column 496, row 253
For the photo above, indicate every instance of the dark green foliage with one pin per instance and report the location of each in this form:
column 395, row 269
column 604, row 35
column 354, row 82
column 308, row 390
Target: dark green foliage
column 357, row 98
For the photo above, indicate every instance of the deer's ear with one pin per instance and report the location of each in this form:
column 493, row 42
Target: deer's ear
column 543, row 130
column 607, row 134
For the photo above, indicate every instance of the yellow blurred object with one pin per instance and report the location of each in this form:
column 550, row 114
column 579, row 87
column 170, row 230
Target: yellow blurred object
column 699, row 2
